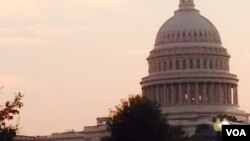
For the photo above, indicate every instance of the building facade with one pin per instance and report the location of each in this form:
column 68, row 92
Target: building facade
column 189, row 73
column 31, row 138
column 90, row 133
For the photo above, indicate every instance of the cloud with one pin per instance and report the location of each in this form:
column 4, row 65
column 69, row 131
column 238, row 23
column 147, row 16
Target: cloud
column 113, row 5
column 17, row 40
column 19, row 8
column 138, row 52
column 31, row 21
column 54, row 32
column 86, row 7
column 7, row 80
column 247, row 56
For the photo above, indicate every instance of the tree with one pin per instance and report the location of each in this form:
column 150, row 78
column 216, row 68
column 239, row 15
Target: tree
column 7, row 113
column 139, row 119
column 205, row 130
column 226, row 116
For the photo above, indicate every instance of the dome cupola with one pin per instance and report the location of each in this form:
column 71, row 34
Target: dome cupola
column 187, row 25
column 186, row 4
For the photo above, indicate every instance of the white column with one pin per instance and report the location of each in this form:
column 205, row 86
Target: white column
column 212, row 94
column 144, row 93
column 147, row 92
column 235, row 95
column 161, row 95
column 188, row 93
column 172, row 94
column 164, row 95
column 204, row 93
column 157, row 94
column 216, row 92
column 196, row 93
column 220, row 94
column 229, row 94
column 153, row 93
column 180, row 93
column 168, row 97
column 225, row 94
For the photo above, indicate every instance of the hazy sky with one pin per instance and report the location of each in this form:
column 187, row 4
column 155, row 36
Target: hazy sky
column 75, row 59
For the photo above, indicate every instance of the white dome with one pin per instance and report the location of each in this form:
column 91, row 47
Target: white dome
column 187, row 25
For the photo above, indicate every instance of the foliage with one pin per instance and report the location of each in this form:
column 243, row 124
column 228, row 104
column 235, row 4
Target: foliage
column 204, row 131
column 7, row 113
column 226, row 116
column 105, row 139
column 139, row 119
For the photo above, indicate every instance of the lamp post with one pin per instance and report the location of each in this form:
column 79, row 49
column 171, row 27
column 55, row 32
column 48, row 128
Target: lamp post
column 218, row 128
column 225, row 122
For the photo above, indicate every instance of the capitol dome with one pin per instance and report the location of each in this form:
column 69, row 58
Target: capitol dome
column 189, row 73
column 187, row 25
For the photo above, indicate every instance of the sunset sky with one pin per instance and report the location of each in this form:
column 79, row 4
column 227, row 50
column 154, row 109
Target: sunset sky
column 75, row 59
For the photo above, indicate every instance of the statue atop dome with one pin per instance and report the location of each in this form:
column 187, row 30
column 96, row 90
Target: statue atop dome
column 186, row 4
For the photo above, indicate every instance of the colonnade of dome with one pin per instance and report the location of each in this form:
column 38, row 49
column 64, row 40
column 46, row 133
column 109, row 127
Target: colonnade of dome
column 186, row 93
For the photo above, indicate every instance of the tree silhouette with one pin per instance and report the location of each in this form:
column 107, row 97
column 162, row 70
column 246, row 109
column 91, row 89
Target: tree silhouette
column 226, row 116
column 205, row 131
column 139, row 119
column 7, row 113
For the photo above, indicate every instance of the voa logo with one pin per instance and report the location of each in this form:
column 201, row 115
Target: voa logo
column 236, row 132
